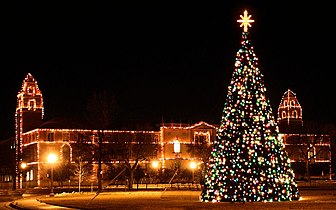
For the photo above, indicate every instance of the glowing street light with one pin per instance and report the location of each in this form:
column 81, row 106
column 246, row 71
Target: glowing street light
column 193, row 165
column 155, row 164
column 23, row 165
column 52, row 159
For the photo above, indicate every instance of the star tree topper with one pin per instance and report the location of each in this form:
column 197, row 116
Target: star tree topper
column 245, row 20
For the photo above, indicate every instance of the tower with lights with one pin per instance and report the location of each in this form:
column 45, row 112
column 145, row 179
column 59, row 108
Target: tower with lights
column 290, row 114
column 248, row 161
column 28, row 115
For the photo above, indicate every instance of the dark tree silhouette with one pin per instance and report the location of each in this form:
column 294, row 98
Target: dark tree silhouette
column 101, row 112
column 133, row 148
column 201, row 150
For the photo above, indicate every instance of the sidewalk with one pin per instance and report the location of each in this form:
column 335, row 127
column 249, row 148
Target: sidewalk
column 31, row 202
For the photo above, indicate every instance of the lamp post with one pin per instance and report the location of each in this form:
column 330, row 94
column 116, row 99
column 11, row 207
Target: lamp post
column 52, row 159
column 155, row 164
column 193, row 165
column 22, row 166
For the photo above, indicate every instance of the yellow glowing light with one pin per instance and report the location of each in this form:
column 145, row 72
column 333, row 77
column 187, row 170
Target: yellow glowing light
column 155, row 164
column 177, row 146
column 52, row 158
column 193, row 165
column 245, row 21
column 23, row 165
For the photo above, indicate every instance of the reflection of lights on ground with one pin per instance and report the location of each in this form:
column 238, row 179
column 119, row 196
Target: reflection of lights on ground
column 307, row 198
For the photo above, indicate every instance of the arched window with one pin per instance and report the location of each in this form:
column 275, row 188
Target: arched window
column 31, row 104
column 30, row 90
column 177, row 146
column 294, row 114
column 293, row 103
column 284, row 114
column 66, row 153
column 285, row 103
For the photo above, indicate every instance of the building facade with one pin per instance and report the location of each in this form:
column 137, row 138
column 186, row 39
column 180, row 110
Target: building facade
column 36, row 138
column 310, row 153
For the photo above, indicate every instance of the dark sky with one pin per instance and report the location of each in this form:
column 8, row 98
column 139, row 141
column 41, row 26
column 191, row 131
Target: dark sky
column 164, row 61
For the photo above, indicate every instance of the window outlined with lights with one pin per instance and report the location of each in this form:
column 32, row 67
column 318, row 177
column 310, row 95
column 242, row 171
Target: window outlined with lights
column 32, row 104
column 30, row 90
column 201, row 137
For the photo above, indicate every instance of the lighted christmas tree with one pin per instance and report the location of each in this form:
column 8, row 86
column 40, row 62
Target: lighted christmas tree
column 248, row 161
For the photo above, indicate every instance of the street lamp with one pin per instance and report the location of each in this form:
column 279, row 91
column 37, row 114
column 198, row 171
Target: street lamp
column 193, row 165
column 52, row 159
column 155, row 164
column 22, row 166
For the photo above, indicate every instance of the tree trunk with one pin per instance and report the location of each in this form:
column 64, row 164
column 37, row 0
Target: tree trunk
column 131, row 180
column 100, row 139
column 307, row 172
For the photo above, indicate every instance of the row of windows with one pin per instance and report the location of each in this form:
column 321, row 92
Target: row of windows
column 294, row 114
column 84, row 138
column 291, row 103
column 199, row 137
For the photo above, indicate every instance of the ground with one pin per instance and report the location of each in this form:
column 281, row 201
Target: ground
column 315, row 196
column 311, row 199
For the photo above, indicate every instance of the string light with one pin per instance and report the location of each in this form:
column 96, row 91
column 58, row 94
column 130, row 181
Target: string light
column 248, row 161
column 289, row 108
column 29, row 102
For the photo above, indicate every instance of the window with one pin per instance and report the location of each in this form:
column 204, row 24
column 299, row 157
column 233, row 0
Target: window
column 30, row 175
column 201, row 137
column 50, row 136
column 31, row 104
column 66, row 136
column 30, row 90
column 311, row 152
column 177, row 146
column 283, row 114
column 80, row 137
column 156, row 138
column 294, row 114
column 66, row 151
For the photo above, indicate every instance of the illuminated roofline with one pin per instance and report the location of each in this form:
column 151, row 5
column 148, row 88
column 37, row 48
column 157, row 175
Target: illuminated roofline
column 190, row 127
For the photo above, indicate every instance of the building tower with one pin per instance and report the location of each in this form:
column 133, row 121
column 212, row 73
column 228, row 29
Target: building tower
column 28, row 115
column 290, row 114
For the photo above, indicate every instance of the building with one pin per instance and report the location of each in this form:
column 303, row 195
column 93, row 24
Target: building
column 36, row 138
column 7, row 163
column 310, row 153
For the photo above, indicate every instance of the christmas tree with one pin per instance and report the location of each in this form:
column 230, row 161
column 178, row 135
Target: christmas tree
column 248, row 161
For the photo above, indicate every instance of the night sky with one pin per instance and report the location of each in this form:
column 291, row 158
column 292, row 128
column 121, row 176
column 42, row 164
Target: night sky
column 169, row 62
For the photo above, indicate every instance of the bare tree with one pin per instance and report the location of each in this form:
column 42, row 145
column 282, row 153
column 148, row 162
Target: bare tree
column 82, row 170
column 310, row 151
column 133, row 148
column 83, row 155
column 310, row 145
column 101, row 112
